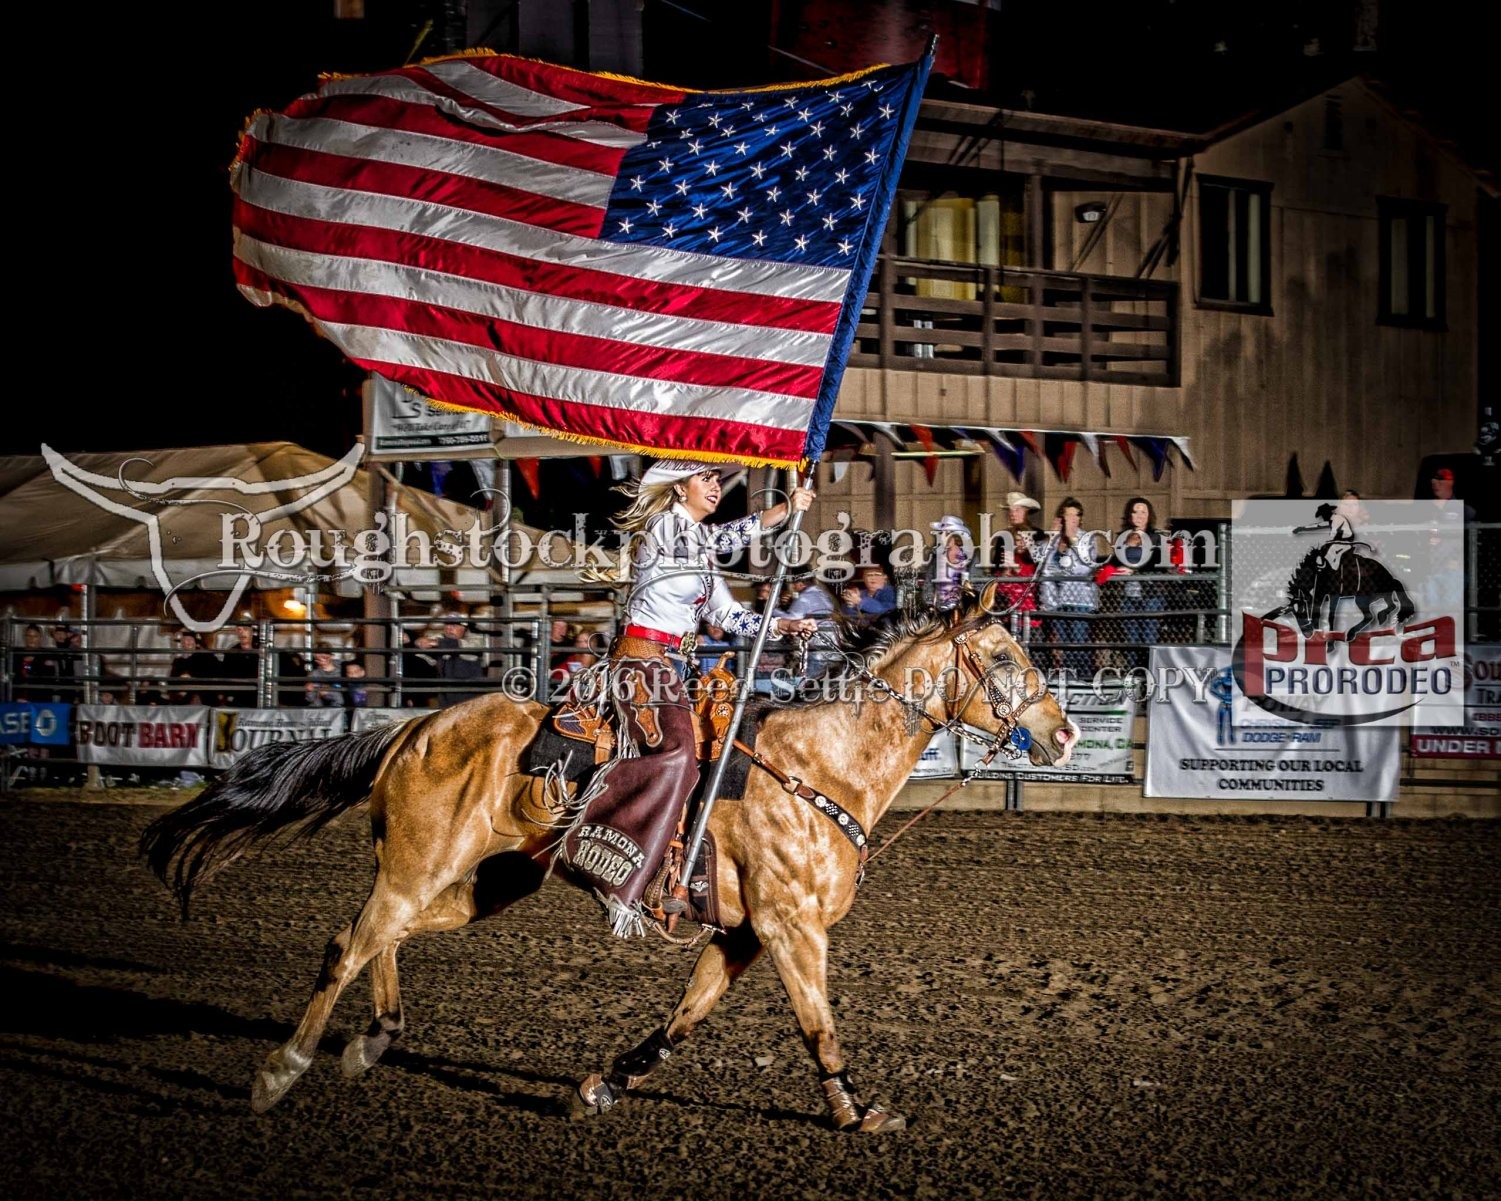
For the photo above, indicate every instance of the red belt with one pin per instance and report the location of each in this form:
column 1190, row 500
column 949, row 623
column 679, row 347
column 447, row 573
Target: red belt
column 669, row 640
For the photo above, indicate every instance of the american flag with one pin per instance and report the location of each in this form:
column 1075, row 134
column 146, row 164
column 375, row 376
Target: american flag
column 614, row 261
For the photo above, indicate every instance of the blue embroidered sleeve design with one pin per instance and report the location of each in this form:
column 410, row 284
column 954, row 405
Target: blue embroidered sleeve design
column 732, row 535
column 743, row 622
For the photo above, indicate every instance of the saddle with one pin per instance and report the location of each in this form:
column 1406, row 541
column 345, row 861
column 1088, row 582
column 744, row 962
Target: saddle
column 589, row 723
column 712, row 709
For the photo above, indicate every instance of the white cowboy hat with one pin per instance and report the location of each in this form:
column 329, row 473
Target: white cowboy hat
column 1020, row 500
column 949, row 524
column 667, row 471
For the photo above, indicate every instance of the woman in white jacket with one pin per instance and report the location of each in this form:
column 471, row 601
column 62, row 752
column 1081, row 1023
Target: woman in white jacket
column 674, row 587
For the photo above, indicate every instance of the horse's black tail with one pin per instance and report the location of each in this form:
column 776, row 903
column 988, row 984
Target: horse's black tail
column 292, row 787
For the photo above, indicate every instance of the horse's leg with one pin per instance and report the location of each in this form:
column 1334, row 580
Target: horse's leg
column 382, row 923
column 499, row 882
column 799, row 946
column 719, row 965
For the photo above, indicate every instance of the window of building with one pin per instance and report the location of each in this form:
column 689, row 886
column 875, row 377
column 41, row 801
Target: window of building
column 1235, row 244
column 1412, row 263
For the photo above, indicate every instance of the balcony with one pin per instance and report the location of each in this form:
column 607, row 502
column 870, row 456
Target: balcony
column 969, row 319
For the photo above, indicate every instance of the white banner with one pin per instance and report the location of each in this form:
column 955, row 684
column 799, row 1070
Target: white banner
column 1196, row 748
column 1101, row 756
column 361, row 720
column 405, row 426
column 1480, row 736
column 938, row 762
column 236, row 731
column 143, row 735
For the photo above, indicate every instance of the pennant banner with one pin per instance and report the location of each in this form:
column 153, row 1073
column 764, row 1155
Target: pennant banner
column 613, row 261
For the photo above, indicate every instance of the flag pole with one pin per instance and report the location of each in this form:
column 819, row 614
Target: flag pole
column 716, row 779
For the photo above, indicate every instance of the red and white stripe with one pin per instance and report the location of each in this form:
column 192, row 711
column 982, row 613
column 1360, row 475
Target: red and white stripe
column 441, row 225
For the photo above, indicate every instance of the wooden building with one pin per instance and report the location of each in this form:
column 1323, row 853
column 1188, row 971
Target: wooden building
column 1301, row 281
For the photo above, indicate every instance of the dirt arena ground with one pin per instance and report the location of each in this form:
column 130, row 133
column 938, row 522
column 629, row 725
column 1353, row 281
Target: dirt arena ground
column 1064, row 1005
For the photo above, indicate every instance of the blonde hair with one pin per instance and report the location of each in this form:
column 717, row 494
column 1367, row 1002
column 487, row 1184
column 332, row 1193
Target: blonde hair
column 647, row 502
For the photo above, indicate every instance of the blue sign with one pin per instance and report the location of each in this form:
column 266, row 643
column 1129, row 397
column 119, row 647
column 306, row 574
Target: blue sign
column 40, row 725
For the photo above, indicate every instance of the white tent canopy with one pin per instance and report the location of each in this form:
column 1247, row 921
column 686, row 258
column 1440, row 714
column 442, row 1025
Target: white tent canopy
column 135, row 519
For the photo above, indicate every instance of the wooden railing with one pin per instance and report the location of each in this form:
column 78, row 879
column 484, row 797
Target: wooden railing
column 981, row 320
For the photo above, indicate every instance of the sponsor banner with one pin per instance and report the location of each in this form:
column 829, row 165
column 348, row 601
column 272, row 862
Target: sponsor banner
column 939, row 761
column 143, row 735
column 46, row 724
column 1432, row 744
column 1101, row 756
column 361, row 720
column 1348, row 611
column 1480, row 736
column 404, row 424
column 1199, row 746
column 236, row 731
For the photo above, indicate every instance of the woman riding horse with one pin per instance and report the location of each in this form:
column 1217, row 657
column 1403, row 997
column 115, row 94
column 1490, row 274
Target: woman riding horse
column 674, row 587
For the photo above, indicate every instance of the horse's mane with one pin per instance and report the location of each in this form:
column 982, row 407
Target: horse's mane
column 871, row 646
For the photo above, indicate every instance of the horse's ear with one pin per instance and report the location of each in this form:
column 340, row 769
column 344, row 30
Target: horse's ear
column 987, row 601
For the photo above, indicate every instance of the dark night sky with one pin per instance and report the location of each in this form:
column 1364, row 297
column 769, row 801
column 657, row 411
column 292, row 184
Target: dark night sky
column 172, row 355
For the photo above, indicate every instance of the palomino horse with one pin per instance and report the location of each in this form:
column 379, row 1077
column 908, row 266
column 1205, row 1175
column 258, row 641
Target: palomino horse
column 460, row 833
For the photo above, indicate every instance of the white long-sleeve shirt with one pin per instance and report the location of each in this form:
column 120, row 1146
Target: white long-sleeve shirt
column 676, row 584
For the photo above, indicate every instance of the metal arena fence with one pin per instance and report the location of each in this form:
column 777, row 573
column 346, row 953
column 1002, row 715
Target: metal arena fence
column 407, row 662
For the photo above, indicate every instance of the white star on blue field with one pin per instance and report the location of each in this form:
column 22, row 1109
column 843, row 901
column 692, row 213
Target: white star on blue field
column 783, row 175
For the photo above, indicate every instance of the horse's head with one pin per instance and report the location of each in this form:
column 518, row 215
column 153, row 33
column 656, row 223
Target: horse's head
column 1000, row 687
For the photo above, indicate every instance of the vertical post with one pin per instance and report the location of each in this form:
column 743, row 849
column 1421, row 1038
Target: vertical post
column 266, row 664
column 1472, row 584
column 377, row 501
column 1222, row 586
column 990, row 281
column 544, row 647
column 885, row 313
column 394, row 645
column 92, row 778
column 716, row 778
column 885, row 486
column 1086, row 328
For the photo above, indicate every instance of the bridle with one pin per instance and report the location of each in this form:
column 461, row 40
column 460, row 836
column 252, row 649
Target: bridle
column 1006, row 705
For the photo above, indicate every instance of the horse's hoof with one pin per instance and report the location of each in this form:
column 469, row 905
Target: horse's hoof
column 876, row 1120
column 880, row 1121
column 274, row 1079
column 593, row 1096
column 361, row 1055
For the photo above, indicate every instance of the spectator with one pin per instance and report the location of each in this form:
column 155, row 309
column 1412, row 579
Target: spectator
column 578, row 656
column 356, row 695
column 560, row 641
column 950, row 573
column 324, row 688
column 65, row 661
column 866, row 602
column 291, row 671
column 30, row 667
column 454, row 661
column 812, row 599
column 195, row 664
column 242, row 661
column 1442, row 486
column 1141, row 551
column 1015, row 552
column 1069, row 570
column 418, row 669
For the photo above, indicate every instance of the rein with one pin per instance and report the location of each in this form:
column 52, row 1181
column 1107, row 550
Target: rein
column 1011, row 737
